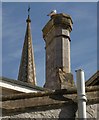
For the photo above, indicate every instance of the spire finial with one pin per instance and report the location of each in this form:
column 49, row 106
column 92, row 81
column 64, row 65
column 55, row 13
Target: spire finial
column 28, row 19
column 29, row 10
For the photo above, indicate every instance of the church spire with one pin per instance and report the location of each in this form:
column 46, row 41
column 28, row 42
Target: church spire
column 27, row 66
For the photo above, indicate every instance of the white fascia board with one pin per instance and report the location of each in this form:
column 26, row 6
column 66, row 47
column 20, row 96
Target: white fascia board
column 16, row 87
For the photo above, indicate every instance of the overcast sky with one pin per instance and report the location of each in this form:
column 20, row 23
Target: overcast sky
column 83, row 36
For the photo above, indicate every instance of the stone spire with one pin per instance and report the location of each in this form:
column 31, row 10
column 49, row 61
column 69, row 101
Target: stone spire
column 27, row 66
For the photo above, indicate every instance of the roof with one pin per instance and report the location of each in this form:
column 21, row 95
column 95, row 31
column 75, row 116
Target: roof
column 93, row 80
column 23, row 84
column 25, row 101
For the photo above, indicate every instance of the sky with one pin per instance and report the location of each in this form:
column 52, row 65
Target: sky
column 83, row 35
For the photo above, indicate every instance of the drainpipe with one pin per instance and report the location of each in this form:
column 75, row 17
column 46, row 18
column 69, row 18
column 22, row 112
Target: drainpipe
column 81, row 93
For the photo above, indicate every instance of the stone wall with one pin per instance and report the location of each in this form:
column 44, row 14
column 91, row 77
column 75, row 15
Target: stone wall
column 65, row 111
column 49, row 104
column 92, row 111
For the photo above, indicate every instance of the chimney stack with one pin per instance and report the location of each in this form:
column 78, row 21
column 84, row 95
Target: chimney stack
column 56, row 34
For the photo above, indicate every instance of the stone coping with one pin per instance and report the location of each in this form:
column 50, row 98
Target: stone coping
column 24, row 102
column 69, row 91
column 93, row 80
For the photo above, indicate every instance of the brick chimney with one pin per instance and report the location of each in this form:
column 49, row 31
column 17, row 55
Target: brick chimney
column 56, row 34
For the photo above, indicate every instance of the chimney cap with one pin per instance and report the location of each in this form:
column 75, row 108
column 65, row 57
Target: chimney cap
column 60, row 19
column 62, row 15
